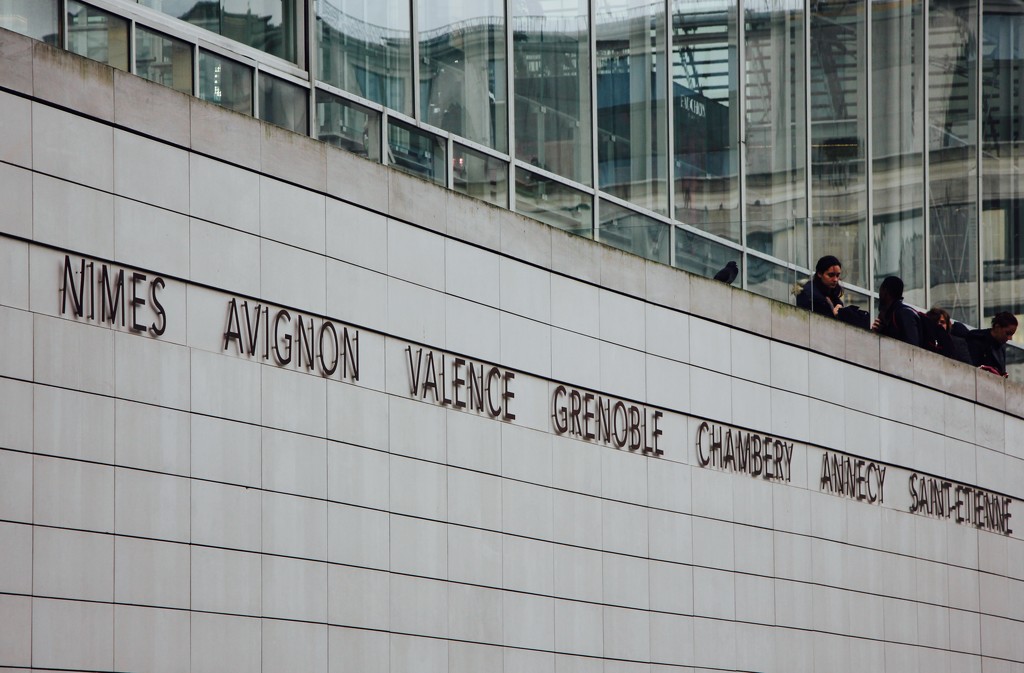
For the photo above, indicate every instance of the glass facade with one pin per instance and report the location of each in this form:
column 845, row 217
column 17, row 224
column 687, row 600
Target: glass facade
column 163, row 59
column 691, row 132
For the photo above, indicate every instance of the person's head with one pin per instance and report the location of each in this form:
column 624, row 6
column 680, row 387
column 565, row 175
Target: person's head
column 1004, row 326
column 828, row 270
column 940, row 317
column 891, row 289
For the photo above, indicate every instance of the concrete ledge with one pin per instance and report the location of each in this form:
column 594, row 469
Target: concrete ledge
column 897, row 358
column 575, row 255
column 710, row 298
column 152, row 109
column 71, row 81
column 473, row 220
column 827, row 335
column 1014, row 398
column 862, row 347
column 357, row 180
column 791, row 324
column 668, row 286
column 528, row 240
column 224, row 134
column 990, row 390
column 16, row 55
column 293, row 157
column 750, row 311
column 623, row 271
column 417, row 201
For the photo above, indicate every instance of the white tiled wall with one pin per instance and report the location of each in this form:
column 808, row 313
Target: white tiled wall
column 167, row 506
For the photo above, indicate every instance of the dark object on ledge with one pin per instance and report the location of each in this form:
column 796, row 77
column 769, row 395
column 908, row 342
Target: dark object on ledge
column 728, row 273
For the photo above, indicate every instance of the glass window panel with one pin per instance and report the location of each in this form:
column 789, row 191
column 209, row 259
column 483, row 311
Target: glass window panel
column 365, row 49
column 98, row 35
column 898, row 139
column 1002, row 221
column 480, row 176
column 283, row 103
column 952, row 157
column 462, row 69
column 632, row 126
column 633, row 232
column 702, row 256
column 417, row 152
column 34, row 18
column 839, row 135
column 705, row 108
column 163, row 59
column 273, row 26
column 772, row 280
column 776, row 193
column 554, row 203
column 347, row 125
column 551, row 53
column 225, row 82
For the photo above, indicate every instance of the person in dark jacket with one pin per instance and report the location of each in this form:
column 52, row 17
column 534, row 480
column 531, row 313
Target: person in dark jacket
column 988, row 346
column 937, row 336
column 822, row 293
column 896, row 319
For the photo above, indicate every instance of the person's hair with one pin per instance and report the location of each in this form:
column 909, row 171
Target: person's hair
column 894, row 286
column 1004, row 319
column 826, row 263
column 935, row 313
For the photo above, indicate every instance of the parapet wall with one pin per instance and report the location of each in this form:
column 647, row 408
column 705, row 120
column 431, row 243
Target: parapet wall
column 266, row 405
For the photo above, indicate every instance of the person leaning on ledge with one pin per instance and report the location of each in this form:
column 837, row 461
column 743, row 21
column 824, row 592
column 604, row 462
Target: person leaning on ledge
column 896, row 319
column 988, row 346
column 822, row 293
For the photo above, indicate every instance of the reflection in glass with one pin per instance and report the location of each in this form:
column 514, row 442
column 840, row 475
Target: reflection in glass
column 632, row 123
column 952, row 156
column 705, row 82
column 551, row 54
column 776, row 194
column 772, row 280
column 633, row 232
column 839, row 135
column 702, row 256
column 163, row 59
column 898, row 145
column 98, row 35
column 365, row 49
column 225, row 82
column 416, row 152
column 1002, row 221
column 462, row 68
column 272, row 26
column 348, row 125
column 283, row 103
column 34, row 18
column 480, row 176
column 554, row 203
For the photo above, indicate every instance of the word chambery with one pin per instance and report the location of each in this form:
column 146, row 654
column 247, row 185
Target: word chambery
column 746, row 452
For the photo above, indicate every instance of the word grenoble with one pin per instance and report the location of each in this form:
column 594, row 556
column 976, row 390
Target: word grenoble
column 592, row 417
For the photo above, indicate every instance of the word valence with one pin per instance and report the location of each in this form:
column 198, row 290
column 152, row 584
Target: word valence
column 110, row 286
column 852, row 477
column 613, row 422
column 746, row 452
column 964, row 504
column 461, row 383
column 314, row 342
